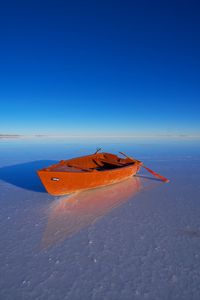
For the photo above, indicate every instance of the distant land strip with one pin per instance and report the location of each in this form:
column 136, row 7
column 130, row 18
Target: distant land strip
column 144, row 136
column 7, row 136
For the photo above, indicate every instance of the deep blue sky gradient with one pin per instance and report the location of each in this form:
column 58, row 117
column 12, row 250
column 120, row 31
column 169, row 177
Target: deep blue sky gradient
column 100, row 67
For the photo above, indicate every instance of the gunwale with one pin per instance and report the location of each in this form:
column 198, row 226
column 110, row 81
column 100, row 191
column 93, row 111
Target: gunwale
column 58, row 182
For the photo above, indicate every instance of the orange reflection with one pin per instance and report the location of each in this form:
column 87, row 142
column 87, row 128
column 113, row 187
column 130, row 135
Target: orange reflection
column 70, row 214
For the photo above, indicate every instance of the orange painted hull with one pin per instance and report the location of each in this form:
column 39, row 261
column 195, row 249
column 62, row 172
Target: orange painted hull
column 63, row 178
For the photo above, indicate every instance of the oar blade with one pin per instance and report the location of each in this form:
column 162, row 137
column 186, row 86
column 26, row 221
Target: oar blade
column 156, row 174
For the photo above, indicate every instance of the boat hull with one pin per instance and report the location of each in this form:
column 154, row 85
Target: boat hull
column 62, row 183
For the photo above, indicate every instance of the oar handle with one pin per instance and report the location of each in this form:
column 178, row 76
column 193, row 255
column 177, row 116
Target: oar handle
column 98, row 149
column 133, row 159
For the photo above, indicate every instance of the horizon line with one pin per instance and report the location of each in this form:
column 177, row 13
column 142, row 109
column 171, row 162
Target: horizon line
column 4, row 136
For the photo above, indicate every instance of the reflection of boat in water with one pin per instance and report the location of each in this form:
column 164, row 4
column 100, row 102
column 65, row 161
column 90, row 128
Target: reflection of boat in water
column 69, row 215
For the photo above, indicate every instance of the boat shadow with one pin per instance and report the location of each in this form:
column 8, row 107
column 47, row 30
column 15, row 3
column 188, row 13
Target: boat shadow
column 69, row 215
column 148, row 177
column 25, row 175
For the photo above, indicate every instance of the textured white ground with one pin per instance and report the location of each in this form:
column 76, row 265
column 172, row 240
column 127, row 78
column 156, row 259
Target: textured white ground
column 147, row 247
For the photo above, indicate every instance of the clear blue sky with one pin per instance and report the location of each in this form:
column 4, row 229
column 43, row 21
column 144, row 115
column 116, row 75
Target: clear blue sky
column 100, row 67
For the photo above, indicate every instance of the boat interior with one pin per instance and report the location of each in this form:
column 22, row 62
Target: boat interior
column 91, row 163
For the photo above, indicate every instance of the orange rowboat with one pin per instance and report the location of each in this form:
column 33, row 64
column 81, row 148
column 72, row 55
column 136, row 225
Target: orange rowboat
column 86, row 172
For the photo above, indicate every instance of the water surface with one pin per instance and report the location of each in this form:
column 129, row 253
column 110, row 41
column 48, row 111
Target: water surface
column 139, row 239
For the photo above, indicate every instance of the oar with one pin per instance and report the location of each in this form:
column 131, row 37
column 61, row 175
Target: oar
column 149, row 170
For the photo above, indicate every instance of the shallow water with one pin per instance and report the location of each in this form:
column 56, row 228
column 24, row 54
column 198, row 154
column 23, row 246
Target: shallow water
column 139, row 239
